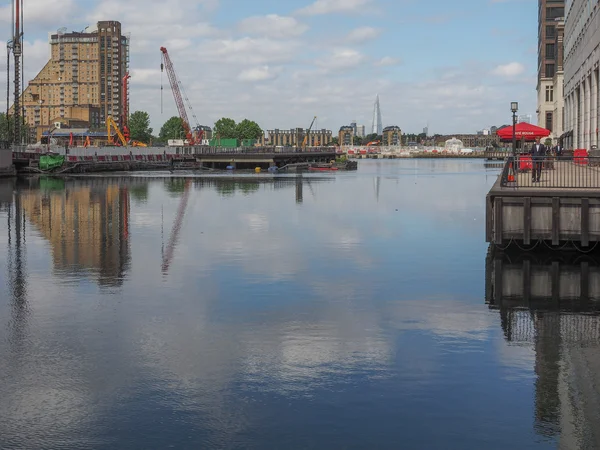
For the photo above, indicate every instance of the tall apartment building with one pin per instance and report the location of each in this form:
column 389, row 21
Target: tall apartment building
column 550, row 12
column 83, row 80
column 582, row 60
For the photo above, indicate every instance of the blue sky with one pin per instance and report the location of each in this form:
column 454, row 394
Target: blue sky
column 454, row 65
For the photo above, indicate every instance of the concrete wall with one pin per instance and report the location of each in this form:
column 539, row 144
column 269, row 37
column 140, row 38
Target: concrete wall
column 5, row 159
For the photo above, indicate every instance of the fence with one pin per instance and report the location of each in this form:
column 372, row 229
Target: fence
column 577, row 171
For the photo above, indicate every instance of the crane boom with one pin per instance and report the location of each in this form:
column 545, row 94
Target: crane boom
column 177, row 89
column 308, row 132
column 110, row 123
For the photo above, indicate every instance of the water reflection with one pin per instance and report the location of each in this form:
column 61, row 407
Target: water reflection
column 551, row 302
column 86, row 224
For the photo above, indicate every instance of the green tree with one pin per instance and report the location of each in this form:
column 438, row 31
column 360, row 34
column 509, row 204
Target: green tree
column 172, row 129
column 335, row 141
column 248, row 129
column 7, row 128
column 139, row 193
column 225, row 128
column 139, row 126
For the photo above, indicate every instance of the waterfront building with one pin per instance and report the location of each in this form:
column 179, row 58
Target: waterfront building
column 471, row 140
column 581, row 65
column 550, row 13
column 391, row 136
column 295, row 138
column 82, row 80
column 346, row 136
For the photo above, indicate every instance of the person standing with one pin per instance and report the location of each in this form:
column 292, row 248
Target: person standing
column 558, row 150
column 538, row 151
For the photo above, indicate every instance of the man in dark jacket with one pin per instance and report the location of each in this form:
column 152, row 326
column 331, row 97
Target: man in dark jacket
column 538, row 151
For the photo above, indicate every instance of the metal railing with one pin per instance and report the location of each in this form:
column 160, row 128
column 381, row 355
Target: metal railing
column 576, row 172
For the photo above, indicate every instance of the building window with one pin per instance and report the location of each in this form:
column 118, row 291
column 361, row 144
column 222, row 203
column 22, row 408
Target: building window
column 550, row 31
column 549, row 120
column 549, row 70
column 550, row 52
column 549, row 93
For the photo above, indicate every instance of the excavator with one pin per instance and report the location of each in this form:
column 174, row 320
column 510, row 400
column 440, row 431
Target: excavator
column 305, row 141
column 120, row 140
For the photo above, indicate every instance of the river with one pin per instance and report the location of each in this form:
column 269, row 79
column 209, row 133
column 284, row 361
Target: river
column 342, row 310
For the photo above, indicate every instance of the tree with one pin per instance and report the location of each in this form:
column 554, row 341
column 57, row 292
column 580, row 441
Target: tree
column 139, row 126
column 370, row 137
column 335, row 141
column 172, row 129
column 225, row 128
column 248, row 129
column 7, row 128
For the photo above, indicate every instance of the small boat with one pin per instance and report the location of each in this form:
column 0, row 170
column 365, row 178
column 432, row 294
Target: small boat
column 322, row 167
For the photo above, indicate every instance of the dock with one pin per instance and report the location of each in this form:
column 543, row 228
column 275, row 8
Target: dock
column 85, row 160
column 562, row 209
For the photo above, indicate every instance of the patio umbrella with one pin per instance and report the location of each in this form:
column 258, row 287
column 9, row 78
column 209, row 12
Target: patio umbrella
column 523, row 130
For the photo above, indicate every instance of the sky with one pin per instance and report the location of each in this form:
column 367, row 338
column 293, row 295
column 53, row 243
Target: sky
column 454, row 66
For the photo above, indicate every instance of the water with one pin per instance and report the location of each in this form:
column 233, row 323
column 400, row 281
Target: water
column 346, row 310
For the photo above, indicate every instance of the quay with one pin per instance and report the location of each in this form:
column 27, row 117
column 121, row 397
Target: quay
column 84, row 160
column 562, row 209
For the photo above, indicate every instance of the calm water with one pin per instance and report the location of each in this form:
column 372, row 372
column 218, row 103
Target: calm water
column 350, row 310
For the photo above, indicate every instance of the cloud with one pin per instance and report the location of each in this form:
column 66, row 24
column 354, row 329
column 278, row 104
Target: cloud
column 320, row 7
column 509, row 70
column 37, row 11
column 262, row 73
column 388, row 61
column 344, row 58
column 272, row 26
column 362, row 34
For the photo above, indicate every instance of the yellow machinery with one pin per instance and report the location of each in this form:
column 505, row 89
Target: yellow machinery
column 110, row 124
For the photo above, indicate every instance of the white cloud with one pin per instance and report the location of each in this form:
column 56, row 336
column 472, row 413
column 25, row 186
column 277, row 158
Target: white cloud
column 342, row 59
column 37, row 11
column 511, row 69
column 388, row 61
column 273, row 26
column 363, row 34
column 262, row 73
column 334, row 6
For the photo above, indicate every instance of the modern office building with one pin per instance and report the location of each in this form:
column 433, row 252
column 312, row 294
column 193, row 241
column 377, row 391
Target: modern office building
column 581, row 65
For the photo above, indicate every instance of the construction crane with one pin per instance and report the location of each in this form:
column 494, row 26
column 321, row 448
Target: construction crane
column 174, row 236
column 177, row 88
column 125, row 116
column 16, row 45
column 305, row 141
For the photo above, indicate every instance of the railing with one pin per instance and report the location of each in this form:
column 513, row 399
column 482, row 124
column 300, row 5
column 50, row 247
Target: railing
column 576, row 172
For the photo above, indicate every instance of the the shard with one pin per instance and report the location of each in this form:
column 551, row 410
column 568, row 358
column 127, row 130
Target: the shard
column 377, row 127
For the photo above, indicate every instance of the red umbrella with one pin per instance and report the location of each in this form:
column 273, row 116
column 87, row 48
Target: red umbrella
column 523, row 130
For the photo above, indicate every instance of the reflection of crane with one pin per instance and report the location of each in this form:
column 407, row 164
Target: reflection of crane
column 177, row 89
column 168, row 253
column 306, row 139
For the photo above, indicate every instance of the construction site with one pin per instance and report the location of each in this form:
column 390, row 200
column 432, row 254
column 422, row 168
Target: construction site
column 74, row 113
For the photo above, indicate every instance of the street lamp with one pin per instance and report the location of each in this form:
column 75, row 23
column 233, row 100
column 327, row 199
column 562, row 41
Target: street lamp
column 514, row 107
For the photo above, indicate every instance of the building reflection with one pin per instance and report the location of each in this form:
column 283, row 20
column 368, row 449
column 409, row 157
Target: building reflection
column 86, row 224
column 551, row 302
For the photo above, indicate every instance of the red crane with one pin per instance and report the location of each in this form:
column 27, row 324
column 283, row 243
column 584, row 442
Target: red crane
column 125, row 117
column 177, row 89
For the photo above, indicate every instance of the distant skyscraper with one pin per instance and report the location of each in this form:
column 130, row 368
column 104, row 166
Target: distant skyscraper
column 426, row 131
column 360, row 131
column 377, row 127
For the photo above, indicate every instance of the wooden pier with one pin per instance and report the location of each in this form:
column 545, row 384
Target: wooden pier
column 562, row 208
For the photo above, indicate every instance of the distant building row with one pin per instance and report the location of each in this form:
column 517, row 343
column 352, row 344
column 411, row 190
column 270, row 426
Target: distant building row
column 390, row 136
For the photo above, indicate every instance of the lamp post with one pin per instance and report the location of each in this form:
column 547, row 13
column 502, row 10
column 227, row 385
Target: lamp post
column 514, row 107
